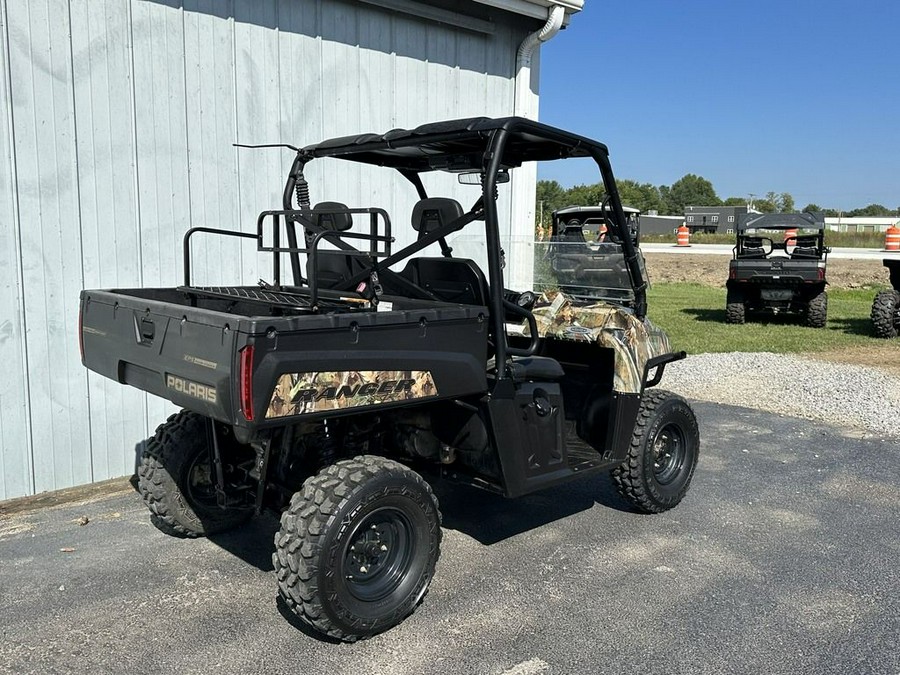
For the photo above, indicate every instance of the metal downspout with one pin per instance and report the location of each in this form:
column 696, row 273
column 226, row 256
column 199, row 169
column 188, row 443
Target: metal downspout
column 524, row 56
column 525, row 104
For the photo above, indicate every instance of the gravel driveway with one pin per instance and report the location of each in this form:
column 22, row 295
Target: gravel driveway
column 855, row 396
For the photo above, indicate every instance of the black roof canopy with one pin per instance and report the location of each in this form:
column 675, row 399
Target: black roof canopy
column 458, row 145
column 781, row 221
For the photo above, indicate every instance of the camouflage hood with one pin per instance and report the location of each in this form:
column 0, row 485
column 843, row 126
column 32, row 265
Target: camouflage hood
column 634, row 341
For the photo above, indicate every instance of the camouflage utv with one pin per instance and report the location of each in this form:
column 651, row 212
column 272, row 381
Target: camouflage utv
column 330, row 392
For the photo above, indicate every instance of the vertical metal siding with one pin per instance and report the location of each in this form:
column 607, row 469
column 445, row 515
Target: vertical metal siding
column 47, row 190
column 15, row 430
column 118, row 120
column 110, row 251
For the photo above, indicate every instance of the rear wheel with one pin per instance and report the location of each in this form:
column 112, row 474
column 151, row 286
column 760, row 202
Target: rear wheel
column 177, row 480
column 663, row 454
column 817, row 311
column 735, row 307
column 357, row 547
column 886, row 314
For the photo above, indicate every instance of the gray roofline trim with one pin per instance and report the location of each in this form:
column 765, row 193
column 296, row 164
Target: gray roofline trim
column 536, row 9
column 436, row 14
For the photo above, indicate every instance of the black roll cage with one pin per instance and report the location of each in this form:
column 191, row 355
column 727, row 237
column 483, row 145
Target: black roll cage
column 478, row 144
column 470, row 145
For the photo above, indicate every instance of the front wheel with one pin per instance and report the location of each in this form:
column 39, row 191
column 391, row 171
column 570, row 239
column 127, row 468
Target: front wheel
column 662, row 456
column 886, row 314
column 357, row 547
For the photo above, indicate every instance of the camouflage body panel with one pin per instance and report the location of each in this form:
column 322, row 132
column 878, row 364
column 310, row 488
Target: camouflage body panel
column 302, row 393
column 634, row 341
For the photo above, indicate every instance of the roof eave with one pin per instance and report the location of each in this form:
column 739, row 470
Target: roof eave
column 536, row 9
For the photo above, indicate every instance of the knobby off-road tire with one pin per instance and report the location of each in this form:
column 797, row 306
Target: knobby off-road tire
column 177, row 480
column 884, row 314
column 357, row 547
column 817, row 311
column 663, row 453
column 735, row 308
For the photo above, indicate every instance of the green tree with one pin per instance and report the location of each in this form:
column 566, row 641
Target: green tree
column 550, row 196
column 643, row 196
column 786, row 203
column 665, row 200
column 586, row 195
column 735, row 201
column 870, row 211
column 765, row 205
column 690, row 190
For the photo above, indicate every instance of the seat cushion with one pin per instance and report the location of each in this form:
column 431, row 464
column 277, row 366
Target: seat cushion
column 535, row 369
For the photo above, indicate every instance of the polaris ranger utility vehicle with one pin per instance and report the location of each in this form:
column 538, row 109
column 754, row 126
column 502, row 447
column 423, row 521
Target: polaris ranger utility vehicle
column 886, row 306
column 329, row 390
column 776, row 272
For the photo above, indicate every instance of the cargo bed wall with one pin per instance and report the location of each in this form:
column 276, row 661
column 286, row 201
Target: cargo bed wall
column 313, row 365
column 785, row 268
column 179, row 353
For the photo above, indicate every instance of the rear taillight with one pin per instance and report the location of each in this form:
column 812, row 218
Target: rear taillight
column 246, row 382
column 81, row 333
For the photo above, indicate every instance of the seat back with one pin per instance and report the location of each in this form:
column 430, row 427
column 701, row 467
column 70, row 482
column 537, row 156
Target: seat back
column 333, row 266
column 806, row 247
column 430, row 214
column 457, row 280
column 752, row 248
column 573, row 232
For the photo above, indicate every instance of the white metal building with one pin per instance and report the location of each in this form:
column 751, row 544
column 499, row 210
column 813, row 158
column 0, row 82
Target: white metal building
column 862, row 224
column 118, row 123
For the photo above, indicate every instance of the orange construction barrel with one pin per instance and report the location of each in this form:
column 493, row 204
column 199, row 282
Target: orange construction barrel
column 790, row 236
column 601, row 233
column 684, row 236
column 892, row 238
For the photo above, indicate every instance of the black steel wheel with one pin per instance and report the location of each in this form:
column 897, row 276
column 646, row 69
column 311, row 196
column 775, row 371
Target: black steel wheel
column 817, row 310
column 177, row 481
column 735, row 307
column 886, row 314
column 357, row 547
column 665, row 446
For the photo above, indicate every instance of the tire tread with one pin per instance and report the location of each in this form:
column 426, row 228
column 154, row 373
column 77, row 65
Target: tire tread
column 306, row 522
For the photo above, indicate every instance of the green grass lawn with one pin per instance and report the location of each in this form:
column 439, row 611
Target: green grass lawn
column 694, row 318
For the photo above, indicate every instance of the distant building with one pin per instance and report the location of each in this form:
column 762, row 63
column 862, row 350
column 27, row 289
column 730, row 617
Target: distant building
column 656, row 224
column 879, row 224
column 712, row 219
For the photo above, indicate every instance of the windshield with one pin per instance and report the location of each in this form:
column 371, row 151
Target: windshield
column 585, row 269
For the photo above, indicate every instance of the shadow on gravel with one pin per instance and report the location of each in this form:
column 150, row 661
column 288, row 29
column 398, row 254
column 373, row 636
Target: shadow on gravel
column 490, row 518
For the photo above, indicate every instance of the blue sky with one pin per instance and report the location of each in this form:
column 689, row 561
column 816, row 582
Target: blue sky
column 787, row 96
